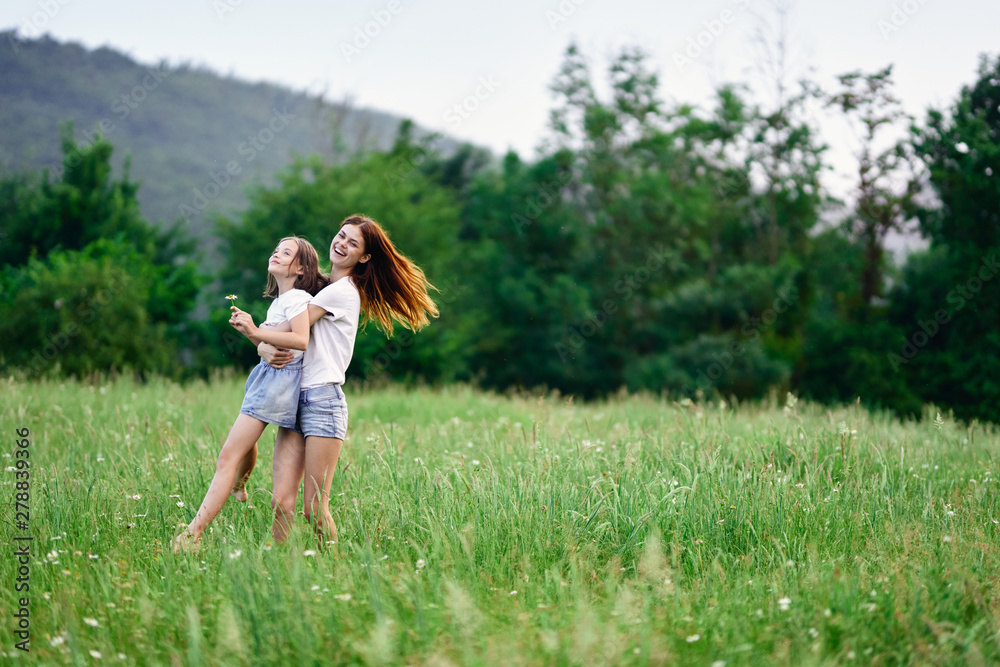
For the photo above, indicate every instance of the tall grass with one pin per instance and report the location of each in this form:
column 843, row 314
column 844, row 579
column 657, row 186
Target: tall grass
column 482, row 529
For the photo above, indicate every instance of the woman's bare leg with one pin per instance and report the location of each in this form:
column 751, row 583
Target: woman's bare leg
column 289, row 460
column 242, row 437
column 243, row 471
column 320, row 464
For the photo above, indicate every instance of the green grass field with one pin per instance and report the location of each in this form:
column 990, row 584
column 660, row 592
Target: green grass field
column 496, row 530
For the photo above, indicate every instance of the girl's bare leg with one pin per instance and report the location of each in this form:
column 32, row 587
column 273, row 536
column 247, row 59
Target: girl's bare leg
column 243, row 471
column 320, row 463
column 242, row 437
column 289, row 459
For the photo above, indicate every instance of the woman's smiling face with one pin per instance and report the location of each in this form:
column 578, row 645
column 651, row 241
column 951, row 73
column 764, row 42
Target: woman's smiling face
column 348, row 248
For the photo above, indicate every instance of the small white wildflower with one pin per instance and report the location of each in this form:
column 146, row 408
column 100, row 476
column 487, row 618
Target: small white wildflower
column 180, row 503
column 137, row 496
column 309, row 553
column 92, row 622
column 512, row 593
column 421, row 563
column 236, row 554
column 95, row 654
column 946, row 539
column 315, row 588
column 784, row 604
column 346, row 597
column 693, row 638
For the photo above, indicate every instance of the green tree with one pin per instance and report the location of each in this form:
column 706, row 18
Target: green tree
column 881, row 205
column 947, row 305
column 90, row 224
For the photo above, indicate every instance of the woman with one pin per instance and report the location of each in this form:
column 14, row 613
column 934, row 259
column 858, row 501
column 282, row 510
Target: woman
column 367, row 276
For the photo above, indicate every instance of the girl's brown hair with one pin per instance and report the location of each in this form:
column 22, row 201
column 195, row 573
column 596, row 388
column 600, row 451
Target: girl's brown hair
column 311, row 280
column 390, row 285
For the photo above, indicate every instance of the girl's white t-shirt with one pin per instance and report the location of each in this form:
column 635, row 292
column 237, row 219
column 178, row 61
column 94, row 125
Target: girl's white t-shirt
column 285, row 307
column 331, row 344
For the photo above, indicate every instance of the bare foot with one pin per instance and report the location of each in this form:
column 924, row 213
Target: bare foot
column 186, row 542
column 239, row 491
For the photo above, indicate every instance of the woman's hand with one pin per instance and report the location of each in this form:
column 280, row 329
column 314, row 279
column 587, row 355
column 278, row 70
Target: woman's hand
column 276, row 357
column 242, row 322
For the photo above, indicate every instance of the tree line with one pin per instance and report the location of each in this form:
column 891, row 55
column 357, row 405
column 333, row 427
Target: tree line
column 651, row 247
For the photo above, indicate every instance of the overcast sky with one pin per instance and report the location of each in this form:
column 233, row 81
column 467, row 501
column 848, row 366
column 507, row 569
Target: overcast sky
column 423, row 57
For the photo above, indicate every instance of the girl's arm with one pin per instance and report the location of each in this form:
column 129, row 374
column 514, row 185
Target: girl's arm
column 281, row 326
column 296, row 339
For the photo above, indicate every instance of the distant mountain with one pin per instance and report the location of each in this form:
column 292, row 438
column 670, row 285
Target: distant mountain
column 196, row 139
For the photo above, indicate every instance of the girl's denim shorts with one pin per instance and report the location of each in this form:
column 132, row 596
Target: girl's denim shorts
column 272, row 394
column 323, row 412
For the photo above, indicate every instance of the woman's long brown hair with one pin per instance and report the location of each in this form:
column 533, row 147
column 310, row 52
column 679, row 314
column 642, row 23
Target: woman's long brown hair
column 390, row 285
column 312, row 279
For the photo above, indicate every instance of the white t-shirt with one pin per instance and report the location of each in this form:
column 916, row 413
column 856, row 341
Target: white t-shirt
column 285, row 307
column 331, row 345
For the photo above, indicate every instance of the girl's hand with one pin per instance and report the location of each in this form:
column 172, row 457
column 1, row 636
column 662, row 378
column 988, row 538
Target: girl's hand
column 276, row 357
column 242, row 322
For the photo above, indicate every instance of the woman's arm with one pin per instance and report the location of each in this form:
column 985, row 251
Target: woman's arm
column 296, row 339
column 281, row 326
column 316, row 312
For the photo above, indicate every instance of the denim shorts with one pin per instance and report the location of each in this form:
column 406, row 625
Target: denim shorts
column 323, row 412
column 272, row 394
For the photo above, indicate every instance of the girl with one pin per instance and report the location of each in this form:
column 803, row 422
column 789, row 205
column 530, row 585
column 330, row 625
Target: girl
column 271, row 394
column 368, row 275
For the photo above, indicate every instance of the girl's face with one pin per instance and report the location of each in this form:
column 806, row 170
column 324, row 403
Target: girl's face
column 348, row 248
column 284, row 262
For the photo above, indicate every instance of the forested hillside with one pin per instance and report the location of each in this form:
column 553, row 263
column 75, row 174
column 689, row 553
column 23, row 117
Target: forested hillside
column 651, row 246
column 182, row 125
